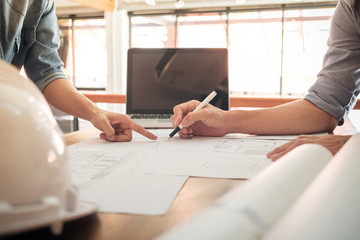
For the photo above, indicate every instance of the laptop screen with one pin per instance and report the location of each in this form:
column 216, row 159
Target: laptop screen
column 160, row 78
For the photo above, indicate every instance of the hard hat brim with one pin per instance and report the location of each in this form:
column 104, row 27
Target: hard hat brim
column 83, row 209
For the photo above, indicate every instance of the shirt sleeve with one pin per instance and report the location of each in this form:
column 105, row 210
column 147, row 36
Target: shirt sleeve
column 42, row 63
column 337, row 85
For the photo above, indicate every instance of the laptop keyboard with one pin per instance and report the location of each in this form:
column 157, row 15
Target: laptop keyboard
column 150, row 116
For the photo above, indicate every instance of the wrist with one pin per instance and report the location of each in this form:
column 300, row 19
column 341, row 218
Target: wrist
column 92, row 112
column 230, row 120
column 239, row 121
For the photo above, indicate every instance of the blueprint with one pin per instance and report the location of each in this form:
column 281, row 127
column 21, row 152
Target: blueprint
column 145, row 176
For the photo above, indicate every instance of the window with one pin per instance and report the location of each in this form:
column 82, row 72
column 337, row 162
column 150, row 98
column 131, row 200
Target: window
column 153, row 31
column 271, row 51
column 202, row 30
column 83, row 51
column 305, row 36
column 255, row 52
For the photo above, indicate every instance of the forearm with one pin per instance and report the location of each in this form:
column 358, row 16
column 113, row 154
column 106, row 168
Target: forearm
column 62, row 95
column 293, row 118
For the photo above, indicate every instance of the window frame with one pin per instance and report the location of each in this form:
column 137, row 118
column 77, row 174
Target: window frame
column 227, row 11
column 72, row 28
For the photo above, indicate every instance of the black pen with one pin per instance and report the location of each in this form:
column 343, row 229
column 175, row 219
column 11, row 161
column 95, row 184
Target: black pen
column 201, row 105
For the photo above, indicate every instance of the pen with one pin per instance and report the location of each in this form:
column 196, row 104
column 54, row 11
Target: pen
column 201, row 105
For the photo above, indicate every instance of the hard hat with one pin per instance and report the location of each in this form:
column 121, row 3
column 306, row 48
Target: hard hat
column 35, row 184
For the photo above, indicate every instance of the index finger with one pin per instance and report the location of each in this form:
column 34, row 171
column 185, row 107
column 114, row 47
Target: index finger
column 139, row 129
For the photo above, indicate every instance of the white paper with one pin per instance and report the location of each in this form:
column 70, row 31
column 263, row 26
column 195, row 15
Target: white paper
column 106, row 175
column 116, row 175
column 214, row 157
column 134, row 194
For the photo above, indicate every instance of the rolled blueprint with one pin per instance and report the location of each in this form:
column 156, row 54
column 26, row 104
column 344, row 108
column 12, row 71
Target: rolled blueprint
column 330, row 207
column 247, row 211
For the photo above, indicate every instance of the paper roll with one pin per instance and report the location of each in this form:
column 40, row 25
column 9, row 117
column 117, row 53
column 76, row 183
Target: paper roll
column 249, row 210
column 330, row 207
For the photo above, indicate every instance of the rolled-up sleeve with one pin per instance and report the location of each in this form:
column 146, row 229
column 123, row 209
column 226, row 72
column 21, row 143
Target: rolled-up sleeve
column 42, row 64
column 337, row 86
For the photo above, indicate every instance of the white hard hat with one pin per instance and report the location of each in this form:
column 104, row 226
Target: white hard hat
column 35, row 184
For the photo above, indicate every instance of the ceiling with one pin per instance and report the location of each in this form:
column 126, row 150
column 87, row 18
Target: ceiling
column 131, row 5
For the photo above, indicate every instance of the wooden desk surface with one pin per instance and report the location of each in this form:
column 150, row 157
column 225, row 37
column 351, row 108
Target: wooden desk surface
column 196, row 194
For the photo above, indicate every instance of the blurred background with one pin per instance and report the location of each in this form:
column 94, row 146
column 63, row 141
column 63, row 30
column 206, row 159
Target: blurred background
column 275, row 47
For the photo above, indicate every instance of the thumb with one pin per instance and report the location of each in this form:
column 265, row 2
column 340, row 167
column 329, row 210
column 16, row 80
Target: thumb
column 108, row 130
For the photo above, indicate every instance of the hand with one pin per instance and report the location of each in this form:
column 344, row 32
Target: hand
column 117, row 127
column 332, row 142
column 209, row 121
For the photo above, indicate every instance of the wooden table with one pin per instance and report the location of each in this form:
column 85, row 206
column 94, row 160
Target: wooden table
column 196, row 194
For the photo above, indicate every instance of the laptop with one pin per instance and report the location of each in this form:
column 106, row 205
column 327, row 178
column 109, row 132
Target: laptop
column 160, row 78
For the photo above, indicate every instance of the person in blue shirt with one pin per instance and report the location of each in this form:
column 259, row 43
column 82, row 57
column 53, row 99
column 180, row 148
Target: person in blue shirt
column 327, row 104
column 30, row 39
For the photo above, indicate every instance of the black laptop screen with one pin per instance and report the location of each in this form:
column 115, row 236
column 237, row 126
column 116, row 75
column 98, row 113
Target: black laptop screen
column 159, row 79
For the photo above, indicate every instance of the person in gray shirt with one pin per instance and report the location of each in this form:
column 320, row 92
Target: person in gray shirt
column 30, row 39
column 327, row 104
